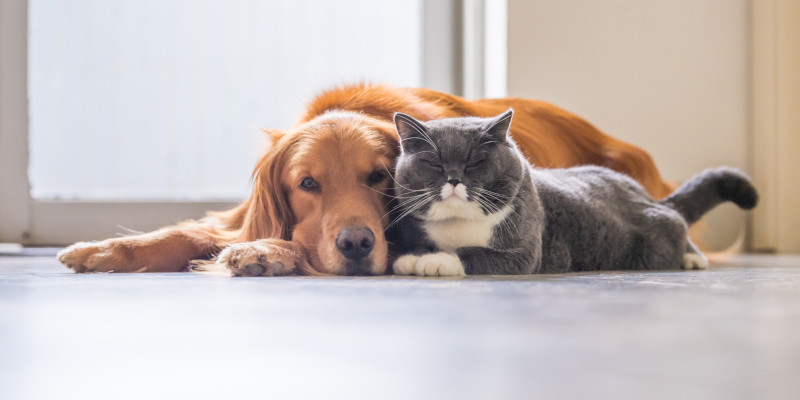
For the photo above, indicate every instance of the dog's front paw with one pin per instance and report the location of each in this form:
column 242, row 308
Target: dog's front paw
column 435, row 264
column 94, row 257
column 257, row 259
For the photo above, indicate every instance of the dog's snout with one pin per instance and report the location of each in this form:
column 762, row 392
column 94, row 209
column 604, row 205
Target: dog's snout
column 358, row 268
column 355, row 243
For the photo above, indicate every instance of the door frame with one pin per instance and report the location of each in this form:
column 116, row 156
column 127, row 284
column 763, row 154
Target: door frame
column 775, row 124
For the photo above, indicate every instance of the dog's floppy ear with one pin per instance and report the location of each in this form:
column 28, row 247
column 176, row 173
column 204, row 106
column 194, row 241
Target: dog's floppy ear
column 269, row 214
column 389, row 137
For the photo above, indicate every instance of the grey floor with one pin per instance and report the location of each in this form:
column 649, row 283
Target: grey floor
column 731, row 332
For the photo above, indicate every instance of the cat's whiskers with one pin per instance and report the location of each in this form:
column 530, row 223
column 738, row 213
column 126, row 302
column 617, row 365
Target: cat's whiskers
column 491, row 208
column 511, row 225
column 495, row 195
column 491, row 197
column 410, row 196
column 500, row 198
column 387, row 194
column 398, row 183
column 406, row 202
column 485, row 143
column 415, row 207
column 483, row 203
column 379, row 192
column 488, row 195
column 505, row 223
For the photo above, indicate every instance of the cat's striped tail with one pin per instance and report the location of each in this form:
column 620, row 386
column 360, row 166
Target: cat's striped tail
column 709, row 188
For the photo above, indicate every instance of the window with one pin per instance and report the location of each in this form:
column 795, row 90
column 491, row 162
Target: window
column 160, row 100
column 143, row 113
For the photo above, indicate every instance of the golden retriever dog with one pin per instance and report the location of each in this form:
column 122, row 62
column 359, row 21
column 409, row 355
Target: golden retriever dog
column 321, row 197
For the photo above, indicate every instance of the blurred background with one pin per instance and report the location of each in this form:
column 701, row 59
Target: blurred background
column 141, row 113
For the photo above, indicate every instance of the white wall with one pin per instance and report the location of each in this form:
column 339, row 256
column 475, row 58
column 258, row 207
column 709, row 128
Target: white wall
column 669, row 76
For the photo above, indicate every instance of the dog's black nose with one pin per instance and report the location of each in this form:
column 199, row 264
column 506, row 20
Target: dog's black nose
column 453, row 182
column 355, row 243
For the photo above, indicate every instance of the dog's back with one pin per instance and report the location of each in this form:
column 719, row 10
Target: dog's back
column 549, row 136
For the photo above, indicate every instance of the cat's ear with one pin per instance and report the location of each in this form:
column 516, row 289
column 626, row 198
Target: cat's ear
column 408, row 128
column 498, row 128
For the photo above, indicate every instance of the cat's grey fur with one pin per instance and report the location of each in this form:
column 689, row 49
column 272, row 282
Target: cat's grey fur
column 516, row 219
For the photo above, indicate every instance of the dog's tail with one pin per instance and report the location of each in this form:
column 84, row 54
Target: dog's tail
column 708, row 189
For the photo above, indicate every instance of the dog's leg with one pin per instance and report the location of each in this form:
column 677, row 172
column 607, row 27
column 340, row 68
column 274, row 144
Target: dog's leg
column 168, row 249
column 265, row 257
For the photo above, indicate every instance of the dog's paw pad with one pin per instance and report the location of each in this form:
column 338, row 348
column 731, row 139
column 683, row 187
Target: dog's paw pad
column 253, row 259
column 255, row 269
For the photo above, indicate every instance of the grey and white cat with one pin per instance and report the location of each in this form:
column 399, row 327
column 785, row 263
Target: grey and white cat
column 471, row 204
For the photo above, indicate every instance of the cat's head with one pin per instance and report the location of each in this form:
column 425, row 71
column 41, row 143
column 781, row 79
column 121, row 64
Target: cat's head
column 456, row 168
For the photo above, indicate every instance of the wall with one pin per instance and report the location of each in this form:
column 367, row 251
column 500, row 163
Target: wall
column 669, row 76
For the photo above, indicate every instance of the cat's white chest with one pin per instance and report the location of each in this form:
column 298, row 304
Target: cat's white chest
column 454, row 224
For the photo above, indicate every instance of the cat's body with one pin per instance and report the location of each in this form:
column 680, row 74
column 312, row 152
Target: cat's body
column 472, row 204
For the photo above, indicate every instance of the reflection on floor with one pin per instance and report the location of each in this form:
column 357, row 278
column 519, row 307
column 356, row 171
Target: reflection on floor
column 732, row 332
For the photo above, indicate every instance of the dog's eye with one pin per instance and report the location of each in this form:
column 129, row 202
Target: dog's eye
column 376, row 177
column 309, row 185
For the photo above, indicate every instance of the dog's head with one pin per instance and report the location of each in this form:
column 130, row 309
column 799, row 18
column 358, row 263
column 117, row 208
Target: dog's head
column 325, row 184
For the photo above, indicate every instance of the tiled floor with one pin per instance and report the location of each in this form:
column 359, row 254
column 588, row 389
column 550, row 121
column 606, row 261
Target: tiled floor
column 732, row 332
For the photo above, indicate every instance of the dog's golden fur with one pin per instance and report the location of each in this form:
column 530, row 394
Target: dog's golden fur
column 344, row 136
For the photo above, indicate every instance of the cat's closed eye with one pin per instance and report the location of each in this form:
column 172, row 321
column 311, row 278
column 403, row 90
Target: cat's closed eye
column 476, row 163
column 432, row 163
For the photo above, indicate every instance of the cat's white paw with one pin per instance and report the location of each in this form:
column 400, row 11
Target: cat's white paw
column 694, row 261
column 405, row 265
column 439, row 264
